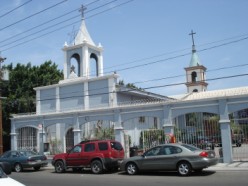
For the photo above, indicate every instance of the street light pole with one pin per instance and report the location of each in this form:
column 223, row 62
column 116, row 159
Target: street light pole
column 1, row 120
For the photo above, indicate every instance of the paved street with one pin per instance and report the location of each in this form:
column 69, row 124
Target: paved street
column 221, row 177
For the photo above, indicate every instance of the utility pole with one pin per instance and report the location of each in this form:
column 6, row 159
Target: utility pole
column 1, row 120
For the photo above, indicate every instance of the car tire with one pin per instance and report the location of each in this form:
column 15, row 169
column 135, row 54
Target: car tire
column 184, row 168
column 96, row 167
column 59, row 166
column 131, row 168
column 37, row 168
column 18, row 167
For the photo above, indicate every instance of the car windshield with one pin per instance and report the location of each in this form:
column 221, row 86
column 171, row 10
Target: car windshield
column 27, row 153
column 190, row 147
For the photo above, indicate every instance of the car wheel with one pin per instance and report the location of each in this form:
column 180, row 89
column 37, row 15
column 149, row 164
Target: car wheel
column 59, row 167
column 184, row 168
column 37, row 168
column 96, row 167
column 131, row 169
column 18, row 167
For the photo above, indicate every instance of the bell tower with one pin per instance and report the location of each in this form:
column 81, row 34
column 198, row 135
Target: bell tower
column 82, row 50
column 195, row 73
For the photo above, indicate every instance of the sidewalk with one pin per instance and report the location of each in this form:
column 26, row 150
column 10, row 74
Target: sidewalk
column 234, row 166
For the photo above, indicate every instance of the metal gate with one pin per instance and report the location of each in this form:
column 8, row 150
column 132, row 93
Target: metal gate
column 27, row 139
column 239, row 134
column 199, row 129
column 151, row 138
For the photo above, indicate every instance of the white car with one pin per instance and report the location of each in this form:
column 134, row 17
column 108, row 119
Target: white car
column 5, row 169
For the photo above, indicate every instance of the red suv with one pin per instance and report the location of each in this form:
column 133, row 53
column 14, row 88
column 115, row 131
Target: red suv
column 99, row 155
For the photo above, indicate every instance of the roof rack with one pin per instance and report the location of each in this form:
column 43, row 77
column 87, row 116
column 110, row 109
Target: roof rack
column 86, row 141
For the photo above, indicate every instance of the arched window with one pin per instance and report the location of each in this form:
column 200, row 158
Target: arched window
column 194, row 76
column 69, row 139
column 75, row 61
column 93, row 65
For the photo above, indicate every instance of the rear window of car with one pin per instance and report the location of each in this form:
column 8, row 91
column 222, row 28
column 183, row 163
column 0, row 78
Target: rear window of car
column 190, row 147
column 89, row 147
column 116, row 145
column 103, row 146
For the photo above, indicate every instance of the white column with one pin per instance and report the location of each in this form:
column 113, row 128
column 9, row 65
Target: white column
column 112, row 92
column 42, row 137
column 226, row 138
column 57, row 100
column 13, row 135
column 66, row 74
column 119, row 131
column 84, row 71
column 76, row 130
column 86, row 95
column 38, row 106
column 100, row 65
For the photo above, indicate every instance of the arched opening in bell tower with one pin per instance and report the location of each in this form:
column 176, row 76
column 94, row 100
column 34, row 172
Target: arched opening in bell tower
column 75, row 61
column 94, row 65
column 194, row 76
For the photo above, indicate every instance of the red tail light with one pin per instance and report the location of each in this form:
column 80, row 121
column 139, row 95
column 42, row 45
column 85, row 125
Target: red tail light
column 203, row 154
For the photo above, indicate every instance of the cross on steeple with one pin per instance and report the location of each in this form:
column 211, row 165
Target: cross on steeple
column 82, row 9
column 192, row 35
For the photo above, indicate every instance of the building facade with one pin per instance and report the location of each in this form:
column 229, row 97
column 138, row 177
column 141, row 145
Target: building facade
column 91, row 106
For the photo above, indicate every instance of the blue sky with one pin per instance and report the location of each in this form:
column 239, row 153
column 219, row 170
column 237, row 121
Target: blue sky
column 150, row 34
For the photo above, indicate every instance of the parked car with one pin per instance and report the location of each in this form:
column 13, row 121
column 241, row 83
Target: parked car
column 5, row 170
column 182, row 158
column 99, row 155
column 21, row 159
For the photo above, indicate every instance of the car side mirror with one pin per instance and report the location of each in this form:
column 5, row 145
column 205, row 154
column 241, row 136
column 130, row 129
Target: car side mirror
column 6, row 167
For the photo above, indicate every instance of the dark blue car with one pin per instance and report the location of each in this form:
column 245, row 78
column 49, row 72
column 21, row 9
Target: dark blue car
column 21, row 159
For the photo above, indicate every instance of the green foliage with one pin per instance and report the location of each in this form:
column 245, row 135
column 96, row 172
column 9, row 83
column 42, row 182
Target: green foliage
column 129, row 85
column 105, row 133
column 19, row 90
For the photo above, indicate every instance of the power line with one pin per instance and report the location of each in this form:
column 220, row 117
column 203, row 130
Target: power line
column 176, row 51
column 15, row 9
column 49, row 27
column 44, row 23
column 181, row 55
column 33, row 15
column 63, row 27
column 170, row 77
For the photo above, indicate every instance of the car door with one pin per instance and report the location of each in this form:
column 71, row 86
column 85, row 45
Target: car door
column 74, row 157
column 169, row 157
column 161, row 158
column 151, row 159
column 89, row 152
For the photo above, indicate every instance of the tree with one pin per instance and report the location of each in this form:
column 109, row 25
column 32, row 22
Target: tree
column 19, row 90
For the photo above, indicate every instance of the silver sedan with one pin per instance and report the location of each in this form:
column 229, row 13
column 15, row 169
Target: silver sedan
column 182, row 158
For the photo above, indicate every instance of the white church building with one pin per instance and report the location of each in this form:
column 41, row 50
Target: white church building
column 84, row 106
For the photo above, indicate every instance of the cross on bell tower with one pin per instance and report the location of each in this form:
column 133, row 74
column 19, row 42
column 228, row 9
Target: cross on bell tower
column 192, row 35
column 82, row 9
